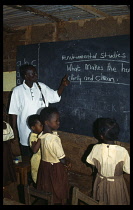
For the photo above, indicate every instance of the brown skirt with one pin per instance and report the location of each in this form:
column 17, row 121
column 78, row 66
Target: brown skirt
column 54, row 179
column 111, row 192
column 9, row 174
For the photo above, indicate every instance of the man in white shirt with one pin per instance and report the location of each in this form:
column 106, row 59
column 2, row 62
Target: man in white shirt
column 27, row 99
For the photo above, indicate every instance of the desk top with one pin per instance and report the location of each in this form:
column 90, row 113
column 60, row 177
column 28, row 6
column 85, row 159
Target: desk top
column 24, row 164
column 7, row 201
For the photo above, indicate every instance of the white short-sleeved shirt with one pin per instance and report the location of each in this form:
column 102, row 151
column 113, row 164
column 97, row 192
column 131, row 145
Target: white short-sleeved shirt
column 26, row 101
column 51, row 148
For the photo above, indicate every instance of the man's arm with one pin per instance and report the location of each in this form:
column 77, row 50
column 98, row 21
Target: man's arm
column 14, row 126
column 64, row 82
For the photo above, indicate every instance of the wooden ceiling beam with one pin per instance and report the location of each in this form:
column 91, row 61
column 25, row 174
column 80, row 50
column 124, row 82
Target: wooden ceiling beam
column 92, row 10
column 36, row 12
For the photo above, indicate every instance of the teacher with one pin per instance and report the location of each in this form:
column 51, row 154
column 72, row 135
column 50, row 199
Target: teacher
column 27, row 99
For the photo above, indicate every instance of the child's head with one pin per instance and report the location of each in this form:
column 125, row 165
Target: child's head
column 34, row 123
column 107, row 129
column 49, row 116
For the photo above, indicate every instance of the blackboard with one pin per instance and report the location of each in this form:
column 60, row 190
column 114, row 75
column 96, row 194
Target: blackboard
column 99, row 71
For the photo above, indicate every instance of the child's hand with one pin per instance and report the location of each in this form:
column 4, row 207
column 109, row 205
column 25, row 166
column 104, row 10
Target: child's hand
column 68, row 165
column 33, row 143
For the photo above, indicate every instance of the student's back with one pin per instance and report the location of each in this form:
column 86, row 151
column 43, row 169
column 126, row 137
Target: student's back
column 111, row 161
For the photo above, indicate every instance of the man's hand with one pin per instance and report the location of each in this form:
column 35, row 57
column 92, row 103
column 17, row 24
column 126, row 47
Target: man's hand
column 65, row 81
column 15, row 139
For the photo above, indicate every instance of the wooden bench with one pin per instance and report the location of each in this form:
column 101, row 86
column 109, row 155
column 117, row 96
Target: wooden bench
column 32, row 191
column 81, row 181
column 78, row 195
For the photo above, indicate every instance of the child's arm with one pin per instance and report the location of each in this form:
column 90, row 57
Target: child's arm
column 35, row 145
column 66, row 163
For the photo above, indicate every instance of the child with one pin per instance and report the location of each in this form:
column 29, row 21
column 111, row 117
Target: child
column 9, row 173
column 52, row 175
column 35, row 125
column 110, row 160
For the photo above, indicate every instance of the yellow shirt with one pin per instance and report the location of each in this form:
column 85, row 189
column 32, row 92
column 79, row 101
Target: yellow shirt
column 51, row 148
column 35, row 160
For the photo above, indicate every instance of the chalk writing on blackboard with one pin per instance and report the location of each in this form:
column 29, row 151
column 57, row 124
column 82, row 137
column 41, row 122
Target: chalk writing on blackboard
column 97, row 63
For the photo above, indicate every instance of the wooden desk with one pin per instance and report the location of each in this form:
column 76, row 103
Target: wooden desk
column 22, row 169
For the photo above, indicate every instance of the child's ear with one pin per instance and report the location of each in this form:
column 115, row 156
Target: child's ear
column 46, row 122
column 32, row 127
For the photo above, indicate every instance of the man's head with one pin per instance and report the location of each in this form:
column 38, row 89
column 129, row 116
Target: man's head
column 28, row 72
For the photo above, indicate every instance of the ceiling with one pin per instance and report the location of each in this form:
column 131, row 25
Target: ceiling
column 15, row 16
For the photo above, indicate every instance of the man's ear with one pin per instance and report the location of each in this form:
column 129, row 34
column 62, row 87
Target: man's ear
column 25, row 76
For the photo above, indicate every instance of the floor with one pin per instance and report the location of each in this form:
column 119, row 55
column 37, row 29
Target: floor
column 17, row 193
column 78, row 180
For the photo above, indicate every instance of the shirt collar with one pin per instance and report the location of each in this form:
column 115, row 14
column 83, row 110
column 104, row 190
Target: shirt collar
column 26, row 86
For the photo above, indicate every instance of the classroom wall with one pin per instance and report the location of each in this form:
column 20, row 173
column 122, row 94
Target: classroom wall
column 52, row 32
